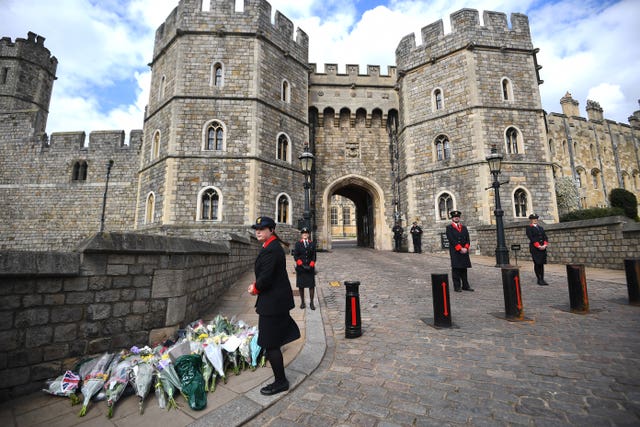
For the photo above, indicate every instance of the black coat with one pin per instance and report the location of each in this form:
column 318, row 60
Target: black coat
column 537, row 236
column 272, row 281
column 458, row 240
column 305, row 273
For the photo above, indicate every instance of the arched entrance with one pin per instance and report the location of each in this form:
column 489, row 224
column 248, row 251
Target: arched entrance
column 368, row 199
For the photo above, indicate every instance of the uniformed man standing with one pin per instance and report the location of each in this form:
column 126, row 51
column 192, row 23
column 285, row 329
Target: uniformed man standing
column 538, row 243
column 459, row 243
column 416, row 235
column 397, row 236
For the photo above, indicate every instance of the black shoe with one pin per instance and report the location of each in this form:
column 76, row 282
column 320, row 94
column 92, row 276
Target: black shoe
column 274, row 388
column 543, row 283
column 303, row 306
column 457, row 290
column 468, row 288
column 311, row 306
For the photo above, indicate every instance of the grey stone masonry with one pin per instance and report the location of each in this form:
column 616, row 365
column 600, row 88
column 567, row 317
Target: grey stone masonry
column 115, row 291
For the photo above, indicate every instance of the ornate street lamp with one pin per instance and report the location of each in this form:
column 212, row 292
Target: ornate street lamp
column 495, row 163
column 306, row 164
column 104, row 197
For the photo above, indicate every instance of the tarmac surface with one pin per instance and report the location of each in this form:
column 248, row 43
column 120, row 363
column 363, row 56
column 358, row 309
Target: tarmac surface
column 554, row 368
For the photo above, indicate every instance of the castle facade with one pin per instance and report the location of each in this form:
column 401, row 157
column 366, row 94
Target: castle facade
column 234, row 102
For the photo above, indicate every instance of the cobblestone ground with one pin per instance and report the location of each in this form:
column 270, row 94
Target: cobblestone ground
column 555, row 368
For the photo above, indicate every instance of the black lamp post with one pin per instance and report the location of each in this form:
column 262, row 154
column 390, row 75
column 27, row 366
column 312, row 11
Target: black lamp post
column 104, row 197
column 306, row 164
column 502, row 253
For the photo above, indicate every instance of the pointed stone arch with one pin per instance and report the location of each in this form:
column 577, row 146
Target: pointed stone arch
column 369, row 199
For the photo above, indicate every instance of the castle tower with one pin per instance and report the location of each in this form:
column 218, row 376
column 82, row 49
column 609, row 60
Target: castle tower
column 460, row 95
column 27, row 72
column 226, row 120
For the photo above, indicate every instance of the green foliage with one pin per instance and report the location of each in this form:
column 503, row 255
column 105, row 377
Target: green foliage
column 567, row 195
column 591, row 213
column 626, row 200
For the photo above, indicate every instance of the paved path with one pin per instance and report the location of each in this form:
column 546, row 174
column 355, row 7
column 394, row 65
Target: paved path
column 556, row 368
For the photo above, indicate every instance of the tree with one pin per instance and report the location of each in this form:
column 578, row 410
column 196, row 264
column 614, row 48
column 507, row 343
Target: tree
column 567, row 195
column 621, row 198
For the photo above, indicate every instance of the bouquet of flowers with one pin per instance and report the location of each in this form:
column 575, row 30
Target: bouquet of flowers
column 92, row 382
column 256, row 350
column 213, row 352
column 65, row 385
column 142, row 372
column 117, row 383
column 168, row 377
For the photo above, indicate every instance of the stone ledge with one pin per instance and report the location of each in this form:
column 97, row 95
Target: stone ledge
column 146, row 243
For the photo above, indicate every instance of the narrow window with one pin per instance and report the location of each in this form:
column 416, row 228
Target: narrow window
column 217, row 75
column 283, row 209
column 215, row 137
column 150, row 208
column 4, row 75
column 79, row 171
column 512, row 141
column 334, row 215
column 346, row 215
column 209, row 202
column 443, row 149
column 552, row 150
column 507, row 92
column 155, row 146
column 445, row 205
column 594, row 176
column 283, row 147
column 285, row 91
column 520, row 203
column 162, row 84
column 437, row 99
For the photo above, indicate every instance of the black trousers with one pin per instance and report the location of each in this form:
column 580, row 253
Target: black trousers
column 417, row 244
column 459, row 276
column 398, row 244
column 539, row 270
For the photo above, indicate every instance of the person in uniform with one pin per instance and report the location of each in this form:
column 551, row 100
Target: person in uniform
column 538, row 243
column 304, row 254
column 397, row 236
column 459, row 243
column 416, row 235
column 273, row 303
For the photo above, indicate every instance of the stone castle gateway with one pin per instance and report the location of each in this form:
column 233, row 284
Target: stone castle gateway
column 234, row 101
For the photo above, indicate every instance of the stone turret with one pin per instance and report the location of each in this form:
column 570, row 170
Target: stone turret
column 634, row 120
column 27, row 72
column 569, row 106
column 594, row 111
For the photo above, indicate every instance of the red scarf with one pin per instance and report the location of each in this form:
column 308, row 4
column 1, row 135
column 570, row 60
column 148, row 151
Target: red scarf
column 457, row 226
column 268, row 241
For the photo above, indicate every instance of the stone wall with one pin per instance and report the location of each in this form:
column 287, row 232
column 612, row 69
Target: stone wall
column 115, row 291
column 600, row 243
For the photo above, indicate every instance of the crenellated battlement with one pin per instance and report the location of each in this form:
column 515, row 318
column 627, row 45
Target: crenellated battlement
column 352, row 75
column 31, row 48
column 101, row 141
column 220, row 18
column 466, row 32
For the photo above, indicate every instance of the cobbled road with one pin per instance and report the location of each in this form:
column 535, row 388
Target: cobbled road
column 555, row 368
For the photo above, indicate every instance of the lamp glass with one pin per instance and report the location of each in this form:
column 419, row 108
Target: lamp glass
column 495, row 162
column 306, row 161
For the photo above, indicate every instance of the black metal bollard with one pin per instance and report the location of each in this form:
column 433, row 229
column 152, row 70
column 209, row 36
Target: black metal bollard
column 352, row 321
column 632, row 271
column 513, row 307
column 578, row 298
column 441, row 305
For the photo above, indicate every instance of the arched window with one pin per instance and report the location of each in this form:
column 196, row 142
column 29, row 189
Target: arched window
column 361, row 117
column 595, row 178
column 149, row 208
column 592, row 149
column 445, row 205
column 163, row 81
column 283, row 147
column 209, row 205
column 443, row 149
column 345, row 118
column 579, row 177
column 282, row 215
column 334, row 215
column 437, row 99
column 636, row 180
column 564, row 148
column 520, row 203
column 79, row 172
column 328, row 117
column 214, row 136
column 507, row 90
column 552, row 149
column 217, row 75
column 511, row 139
column 286, row 91
column 155, row 145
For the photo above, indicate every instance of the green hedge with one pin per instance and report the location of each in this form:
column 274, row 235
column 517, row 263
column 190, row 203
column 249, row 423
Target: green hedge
column 591, row 214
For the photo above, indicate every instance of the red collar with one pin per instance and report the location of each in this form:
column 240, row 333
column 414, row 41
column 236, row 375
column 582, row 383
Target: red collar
column 268, row 241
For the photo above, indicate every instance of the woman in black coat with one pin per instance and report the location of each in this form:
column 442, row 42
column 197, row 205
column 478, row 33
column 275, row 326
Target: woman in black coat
column 538, row 243
column 275, row 299
column 304, row 254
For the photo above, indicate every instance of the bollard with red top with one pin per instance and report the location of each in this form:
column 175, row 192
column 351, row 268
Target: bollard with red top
column 632, row 271
column 513, row 306
column 441, row 305
column 578, row 297
column 352, row 320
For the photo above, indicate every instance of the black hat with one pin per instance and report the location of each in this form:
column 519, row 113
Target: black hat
column 533, row 216
column 264, row 222
column 304, row 230
column 455, row 214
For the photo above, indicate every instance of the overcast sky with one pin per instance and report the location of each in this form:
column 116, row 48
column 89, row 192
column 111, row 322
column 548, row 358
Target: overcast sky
column 590, row 48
